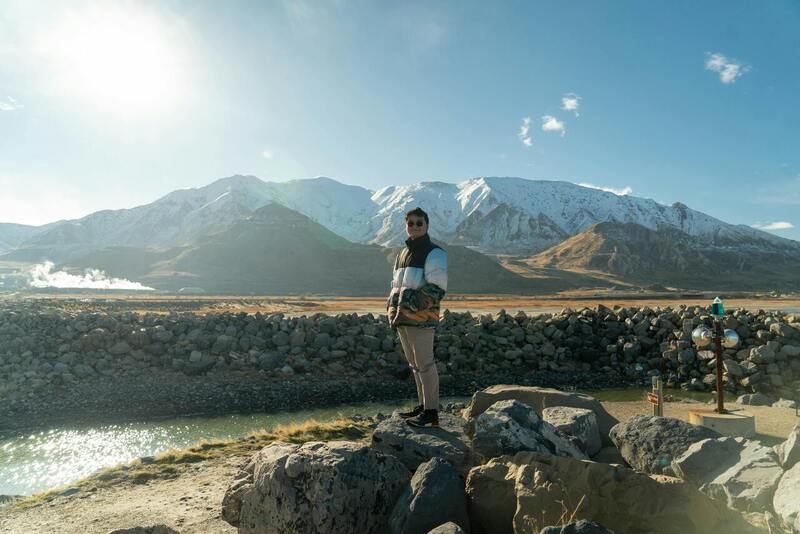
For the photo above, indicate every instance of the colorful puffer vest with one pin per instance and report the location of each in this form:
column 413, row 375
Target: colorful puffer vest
column 419, row 283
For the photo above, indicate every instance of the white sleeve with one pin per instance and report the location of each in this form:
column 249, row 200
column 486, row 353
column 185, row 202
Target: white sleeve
column 436, row 268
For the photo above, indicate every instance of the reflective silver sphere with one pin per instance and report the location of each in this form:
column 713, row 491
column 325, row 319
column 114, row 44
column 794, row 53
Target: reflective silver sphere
column 731, row 339
column 701, row 336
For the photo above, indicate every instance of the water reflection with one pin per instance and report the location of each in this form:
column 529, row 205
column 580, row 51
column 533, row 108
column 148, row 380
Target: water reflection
column 34, row 462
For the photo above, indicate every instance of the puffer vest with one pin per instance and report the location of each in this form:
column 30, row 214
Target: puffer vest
column 419, row 282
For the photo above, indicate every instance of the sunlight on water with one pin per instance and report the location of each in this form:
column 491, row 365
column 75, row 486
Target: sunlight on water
column 34, row 462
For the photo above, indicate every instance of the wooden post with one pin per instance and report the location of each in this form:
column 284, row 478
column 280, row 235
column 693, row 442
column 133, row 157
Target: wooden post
column 656, row 397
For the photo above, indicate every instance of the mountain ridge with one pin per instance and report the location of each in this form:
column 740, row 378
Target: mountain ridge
column 491, row 214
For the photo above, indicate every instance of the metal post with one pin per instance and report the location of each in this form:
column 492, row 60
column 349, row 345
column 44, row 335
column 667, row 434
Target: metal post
column 718, row 353
column 660, row 386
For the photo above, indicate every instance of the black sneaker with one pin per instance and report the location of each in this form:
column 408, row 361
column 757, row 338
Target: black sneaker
column 418, row 409
column 427, row 417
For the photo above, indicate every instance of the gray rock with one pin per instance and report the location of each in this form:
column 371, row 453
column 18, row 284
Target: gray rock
column 539, row 399
column 762, row 354
column 413, row 446
column 578, row 527
column 733, row 368
column 789, row 450
column 786, row 501
column 749, row 483
column 434, row 496
column 784, row 403
column 650, row 443
column 578, row 422
column 120, row 348
column 754, row 399
column 511, row 426
column 334, row 487
column 705, row 460
column 791, row 351
column 447, row 528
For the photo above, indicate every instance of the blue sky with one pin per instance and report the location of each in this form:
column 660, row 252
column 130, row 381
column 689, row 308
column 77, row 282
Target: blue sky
column 113, row 104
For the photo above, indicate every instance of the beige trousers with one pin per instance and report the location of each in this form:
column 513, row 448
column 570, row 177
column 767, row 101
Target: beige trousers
column 418, row 348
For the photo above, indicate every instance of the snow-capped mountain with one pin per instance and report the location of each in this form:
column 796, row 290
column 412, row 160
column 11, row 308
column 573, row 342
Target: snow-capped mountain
column 491, row 214
column 515, row 215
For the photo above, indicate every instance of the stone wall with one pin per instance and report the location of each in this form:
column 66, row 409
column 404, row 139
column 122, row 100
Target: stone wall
column 43, row 349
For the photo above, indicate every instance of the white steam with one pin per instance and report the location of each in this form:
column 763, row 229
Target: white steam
column 42, row 275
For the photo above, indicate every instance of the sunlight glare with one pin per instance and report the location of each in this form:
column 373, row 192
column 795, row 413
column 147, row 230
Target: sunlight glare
column 121, row 61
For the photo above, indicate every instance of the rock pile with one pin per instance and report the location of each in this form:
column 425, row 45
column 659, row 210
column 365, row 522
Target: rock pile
column 746, row 475
column 457, row 486
column 41, row 348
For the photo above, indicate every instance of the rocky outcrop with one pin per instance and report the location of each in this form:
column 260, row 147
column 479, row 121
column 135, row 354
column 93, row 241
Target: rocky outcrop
column 651, row 443
column 434, row 497
column 540, row 399
column 789, row 450
column 413, row 446
column 510, row 426
column 578, row 422
column 786, row 500
column 530, row 490
column 335, row 487
column 741, row 473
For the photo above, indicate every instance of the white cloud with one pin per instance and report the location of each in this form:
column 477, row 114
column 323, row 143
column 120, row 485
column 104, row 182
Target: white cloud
column 42, row 275
column 777, row 225
column 267, row 153
column 728, row 69
column 9, row 104
column 524, row 132
column 552, row 124
column 627, row 190
column 571, row 102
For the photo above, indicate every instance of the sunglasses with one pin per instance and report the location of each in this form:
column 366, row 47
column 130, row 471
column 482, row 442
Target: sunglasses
column 418, row 223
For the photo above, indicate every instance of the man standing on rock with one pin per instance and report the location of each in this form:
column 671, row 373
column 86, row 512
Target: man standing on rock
column 419, row 282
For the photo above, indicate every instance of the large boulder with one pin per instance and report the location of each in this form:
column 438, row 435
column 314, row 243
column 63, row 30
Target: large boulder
column 335, row 487
column 539, row 399
column 789, row 450
column 749, row 483
column 577, row 527
column 741, row 473
column 578, row 422
column 786, row 500
column 511, row 426
column 703, row 461
column 529, row 490
column 434, row 497
column 649, row 443
column 413, row 446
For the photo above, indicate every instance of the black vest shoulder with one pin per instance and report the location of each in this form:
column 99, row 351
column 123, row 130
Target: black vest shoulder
column 415, row 252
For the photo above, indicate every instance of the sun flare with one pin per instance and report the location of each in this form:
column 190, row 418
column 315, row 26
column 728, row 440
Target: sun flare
column 121, row 61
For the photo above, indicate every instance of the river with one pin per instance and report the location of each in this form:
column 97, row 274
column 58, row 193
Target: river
column 35, row 461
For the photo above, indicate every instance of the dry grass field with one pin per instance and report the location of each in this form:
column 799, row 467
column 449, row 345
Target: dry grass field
column 310, row 304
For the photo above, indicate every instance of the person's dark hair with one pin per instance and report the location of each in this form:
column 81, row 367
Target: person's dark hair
column 418, row 213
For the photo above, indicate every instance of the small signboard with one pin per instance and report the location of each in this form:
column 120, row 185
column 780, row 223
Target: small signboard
column 656, row 396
